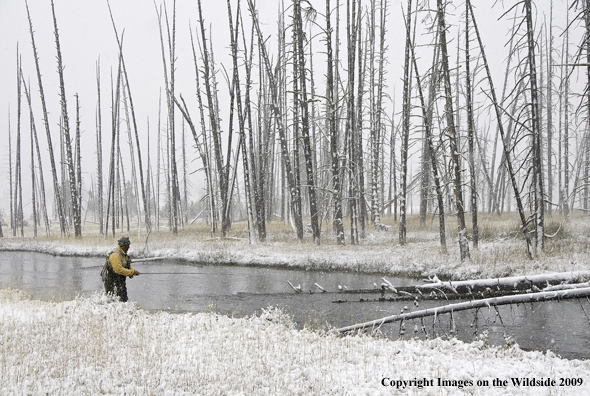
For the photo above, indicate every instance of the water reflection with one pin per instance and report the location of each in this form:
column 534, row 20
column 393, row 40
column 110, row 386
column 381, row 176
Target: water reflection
column 561, row 327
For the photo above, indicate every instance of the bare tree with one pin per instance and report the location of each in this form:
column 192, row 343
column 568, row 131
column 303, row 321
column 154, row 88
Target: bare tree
column 203, row 146
column 299, row 57
column 427, row 112
column 452, row 133
column 144, row 190
column 258, row 168
column 66, row 131
column 10, row 176
column 549, row 97
column 507, row 158
column 169, row 81
column 292, row 186
column 471, row 133
column 18, row 185
column 115, row 99
column 222, row 171
column 236, row 89
column 405, row 129
column 333, row 131
column 41, row 188
column 539, row 194
column 99, row 153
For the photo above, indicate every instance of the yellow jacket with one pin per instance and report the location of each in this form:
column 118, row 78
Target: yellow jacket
column 118, row 267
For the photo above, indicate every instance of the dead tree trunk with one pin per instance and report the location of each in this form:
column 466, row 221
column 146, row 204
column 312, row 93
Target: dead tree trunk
column 549, row 49
column 33, row 189
column 357, row 132
column 539, row 194
column 452, row 132
column 76, row 212
column 58, row 198
column 470, row 135
column 203, row 146
column 378, row 155
column 99, row 181
column 18, row 191
column 111, row 201
column 427, row 111
column 505, row 144
column 304, row 105
column 587, row 161
column 78, row 159
column 473, row 304
column 258, row 167
column 333, row 132
column 405, row 129
column 169, row 81
column 351, row 30
column 11, row 181
column 236, row 89
column 215, row 129
column 41, row 189
column 144, row 190
column 293, row 188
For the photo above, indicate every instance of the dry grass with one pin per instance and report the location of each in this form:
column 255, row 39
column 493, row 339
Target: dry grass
column 77, row 348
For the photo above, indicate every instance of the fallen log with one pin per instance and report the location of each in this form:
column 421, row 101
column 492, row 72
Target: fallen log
column 439, row 295
column 567, row 286
column 511, row 282
column 488, row 302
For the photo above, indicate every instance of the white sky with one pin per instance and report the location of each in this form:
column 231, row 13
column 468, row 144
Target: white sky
column 86, row 33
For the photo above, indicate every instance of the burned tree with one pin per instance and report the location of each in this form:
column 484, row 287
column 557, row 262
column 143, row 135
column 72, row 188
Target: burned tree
column 74, row 188
column 452, row 132
column 58, row 199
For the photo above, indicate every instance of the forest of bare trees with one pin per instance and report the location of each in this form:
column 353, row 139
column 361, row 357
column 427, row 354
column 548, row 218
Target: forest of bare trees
column 301, row 126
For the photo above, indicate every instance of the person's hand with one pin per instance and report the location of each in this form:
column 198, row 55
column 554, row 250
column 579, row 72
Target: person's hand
column 136, row 272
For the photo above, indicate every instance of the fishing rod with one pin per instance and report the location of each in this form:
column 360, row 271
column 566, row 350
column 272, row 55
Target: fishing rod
column 177, row 273
column 141, row 260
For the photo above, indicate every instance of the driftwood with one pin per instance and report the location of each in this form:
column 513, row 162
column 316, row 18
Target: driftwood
column 512, row 282
column 406, row 294
column 471, row 289
column 488, row 302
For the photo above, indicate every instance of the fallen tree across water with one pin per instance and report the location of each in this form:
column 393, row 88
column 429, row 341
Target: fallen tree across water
column 512, row 282
column 473, row 304
column 469, row 289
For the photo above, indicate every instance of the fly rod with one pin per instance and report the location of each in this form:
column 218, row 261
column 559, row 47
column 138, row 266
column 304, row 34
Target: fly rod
column 141, row 260
column 173, row 273
column 180, row 273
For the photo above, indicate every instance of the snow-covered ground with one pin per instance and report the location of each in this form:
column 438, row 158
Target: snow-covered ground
column 95, row 346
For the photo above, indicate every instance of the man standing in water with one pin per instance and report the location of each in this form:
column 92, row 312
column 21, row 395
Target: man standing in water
column 116, row 269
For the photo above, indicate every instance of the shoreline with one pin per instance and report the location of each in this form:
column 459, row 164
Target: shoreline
column 378, row 253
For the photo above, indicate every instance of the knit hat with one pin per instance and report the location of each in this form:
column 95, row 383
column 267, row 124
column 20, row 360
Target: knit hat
column 124, row 241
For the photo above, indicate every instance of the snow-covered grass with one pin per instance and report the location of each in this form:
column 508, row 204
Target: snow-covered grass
column 93, row 345
column 501, row 250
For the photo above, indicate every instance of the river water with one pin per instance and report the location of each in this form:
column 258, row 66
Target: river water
column 562, row 327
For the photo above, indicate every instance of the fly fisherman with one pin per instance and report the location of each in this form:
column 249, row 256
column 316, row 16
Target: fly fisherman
column 116, row 269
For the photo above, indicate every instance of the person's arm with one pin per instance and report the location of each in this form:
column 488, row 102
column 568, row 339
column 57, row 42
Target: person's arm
column 115, row 260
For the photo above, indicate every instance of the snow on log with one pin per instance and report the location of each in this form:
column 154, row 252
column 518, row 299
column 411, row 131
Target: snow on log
column 487, row 302
column 508, row 282
column 567, row 286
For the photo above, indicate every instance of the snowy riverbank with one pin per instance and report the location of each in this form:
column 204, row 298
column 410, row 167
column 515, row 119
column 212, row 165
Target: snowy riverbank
column 95, row 346
column 379, row 252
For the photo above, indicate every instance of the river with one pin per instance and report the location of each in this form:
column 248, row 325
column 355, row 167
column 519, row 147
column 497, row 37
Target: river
column 180, row 286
